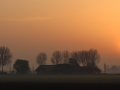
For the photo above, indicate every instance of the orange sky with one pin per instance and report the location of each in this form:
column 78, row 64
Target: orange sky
column 28, row 27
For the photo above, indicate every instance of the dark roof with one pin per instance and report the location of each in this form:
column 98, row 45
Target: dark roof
column 62, row 65
column 45, row 67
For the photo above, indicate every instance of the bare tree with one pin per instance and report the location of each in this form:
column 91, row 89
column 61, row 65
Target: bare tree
column 72, row 61
column 41, row 58
column 93, row 57
column 65, row 56
column 5, row 56
column 90, row 58
column 75, row 56
column 56, row 57
column 82, row 57
column 53, row 60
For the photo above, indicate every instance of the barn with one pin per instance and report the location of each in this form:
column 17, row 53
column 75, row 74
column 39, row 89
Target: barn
column 63, row 69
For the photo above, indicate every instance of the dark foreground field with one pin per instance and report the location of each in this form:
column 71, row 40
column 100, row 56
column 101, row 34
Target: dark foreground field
column 61, row 78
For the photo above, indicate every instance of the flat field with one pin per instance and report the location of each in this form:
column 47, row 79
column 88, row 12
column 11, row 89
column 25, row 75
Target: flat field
column 61, row 78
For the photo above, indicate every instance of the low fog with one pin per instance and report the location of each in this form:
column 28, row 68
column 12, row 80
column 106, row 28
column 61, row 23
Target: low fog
column 112, row 69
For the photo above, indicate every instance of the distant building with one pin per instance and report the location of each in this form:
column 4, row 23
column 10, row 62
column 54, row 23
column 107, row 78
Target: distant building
column 44, row 69
column 65, row 69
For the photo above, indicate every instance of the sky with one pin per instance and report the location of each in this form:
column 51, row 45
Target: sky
column 29, row 27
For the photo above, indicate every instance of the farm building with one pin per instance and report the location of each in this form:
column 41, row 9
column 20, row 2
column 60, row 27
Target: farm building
column 44, row 69
column 64, row 69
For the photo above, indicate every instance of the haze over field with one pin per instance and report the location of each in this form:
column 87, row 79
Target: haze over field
column 28, row 27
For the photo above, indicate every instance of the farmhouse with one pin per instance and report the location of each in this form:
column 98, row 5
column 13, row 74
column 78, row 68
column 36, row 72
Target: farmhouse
column 63, row 69
column 44, row 69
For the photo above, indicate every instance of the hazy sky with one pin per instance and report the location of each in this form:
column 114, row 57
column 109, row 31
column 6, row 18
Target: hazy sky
column 28, row 27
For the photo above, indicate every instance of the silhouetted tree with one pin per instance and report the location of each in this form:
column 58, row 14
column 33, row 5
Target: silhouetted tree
column 53, row 60
column 56, row 57
column 88, row 58
column 92, row 58
column 74, row 55
column 21, row 66
column 72, row 61
column 5, row 56
column 81, row 57
column 65, row 56
column 41, row 58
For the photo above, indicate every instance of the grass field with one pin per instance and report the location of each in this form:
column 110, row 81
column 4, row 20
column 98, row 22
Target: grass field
column 61, row 78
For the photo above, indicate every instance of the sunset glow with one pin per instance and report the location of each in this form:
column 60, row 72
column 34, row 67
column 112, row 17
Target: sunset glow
column 28, row 27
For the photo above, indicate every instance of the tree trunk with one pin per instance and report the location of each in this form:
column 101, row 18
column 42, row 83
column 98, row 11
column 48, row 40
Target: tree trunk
column 2, row 66
column 2, row 69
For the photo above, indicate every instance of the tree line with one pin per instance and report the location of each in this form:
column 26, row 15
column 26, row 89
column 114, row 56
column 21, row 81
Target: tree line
column 88, row 58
